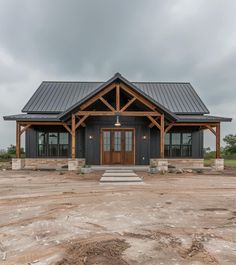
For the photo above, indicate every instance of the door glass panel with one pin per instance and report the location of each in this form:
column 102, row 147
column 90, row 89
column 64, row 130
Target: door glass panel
column 117, row 141
column 128, row 141
column 106, row 141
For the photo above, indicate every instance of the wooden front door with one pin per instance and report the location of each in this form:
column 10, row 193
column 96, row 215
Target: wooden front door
column 117, row 147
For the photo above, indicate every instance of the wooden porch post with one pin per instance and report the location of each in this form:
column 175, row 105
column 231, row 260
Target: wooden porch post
column 18, row 139
column 218, row 140
column 162, row 135
column 73, row 151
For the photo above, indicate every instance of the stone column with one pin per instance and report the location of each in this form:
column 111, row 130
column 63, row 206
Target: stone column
column 218, row 164
column 17, row 163
column 162, row 165
column 75, row 164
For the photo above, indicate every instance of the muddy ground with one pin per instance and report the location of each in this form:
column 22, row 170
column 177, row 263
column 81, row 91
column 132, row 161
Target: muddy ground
column 67, row 218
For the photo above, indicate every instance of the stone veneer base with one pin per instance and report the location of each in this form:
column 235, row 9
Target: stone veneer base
column 47, row 163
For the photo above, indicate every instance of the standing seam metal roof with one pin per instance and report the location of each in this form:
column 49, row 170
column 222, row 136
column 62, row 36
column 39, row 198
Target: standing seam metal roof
column 57, row 97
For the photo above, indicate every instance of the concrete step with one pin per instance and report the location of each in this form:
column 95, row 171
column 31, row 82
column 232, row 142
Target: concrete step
column 119, row 171
column 120, row 179
column 119, row 174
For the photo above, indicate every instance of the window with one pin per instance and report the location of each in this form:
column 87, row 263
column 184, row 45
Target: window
column 178, row 144
column 53, row 144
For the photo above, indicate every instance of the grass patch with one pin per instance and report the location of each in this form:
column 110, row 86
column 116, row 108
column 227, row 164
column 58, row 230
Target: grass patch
column 228, row 162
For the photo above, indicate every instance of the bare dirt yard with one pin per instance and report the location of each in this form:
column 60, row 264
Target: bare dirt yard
column 67, row 218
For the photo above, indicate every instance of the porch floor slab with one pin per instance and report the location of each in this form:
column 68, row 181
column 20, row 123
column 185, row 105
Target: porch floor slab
column 139, row 168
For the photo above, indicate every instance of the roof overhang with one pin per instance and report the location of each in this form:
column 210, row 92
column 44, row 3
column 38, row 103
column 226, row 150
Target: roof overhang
column 32, row 117
column 202, row 118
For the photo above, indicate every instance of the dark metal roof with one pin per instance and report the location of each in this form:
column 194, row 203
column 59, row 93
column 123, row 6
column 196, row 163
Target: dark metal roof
column 177, row 97
column 32, row 117
column 58, row 97
column 201, row 118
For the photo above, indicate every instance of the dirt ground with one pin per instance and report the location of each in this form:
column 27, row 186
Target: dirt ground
column 66, row 218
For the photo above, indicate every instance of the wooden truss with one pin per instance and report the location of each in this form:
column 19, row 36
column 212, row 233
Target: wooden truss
column 79, row 117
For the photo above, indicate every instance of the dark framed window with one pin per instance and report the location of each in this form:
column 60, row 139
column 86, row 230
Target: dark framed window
column 178, row 144
column 53, row 144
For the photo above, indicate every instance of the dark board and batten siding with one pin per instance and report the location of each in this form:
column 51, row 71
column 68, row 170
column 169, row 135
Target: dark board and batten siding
column 94, row 125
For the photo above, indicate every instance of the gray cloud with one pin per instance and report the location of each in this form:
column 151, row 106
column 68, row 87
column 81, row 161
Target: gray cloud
column 186, row 40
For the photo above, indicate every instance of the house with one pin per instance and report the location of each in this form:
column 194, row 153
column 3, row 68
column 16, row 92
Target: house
column 116, row 122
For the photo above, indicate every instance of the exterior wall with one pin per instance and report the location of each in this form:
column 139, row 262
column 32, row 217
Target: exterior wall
column 94, row 124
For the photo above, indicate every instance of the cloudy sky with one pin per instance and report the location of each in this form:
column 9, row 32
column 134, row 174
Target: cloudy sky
column 145, row 40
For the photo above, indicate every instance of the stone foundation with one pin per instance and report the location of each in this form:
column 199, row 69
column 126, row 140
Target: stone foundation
column 76, row 164
column 179, row 162
column 50, row 163
column 45, row 163
column 18, row 163
column 218, row 164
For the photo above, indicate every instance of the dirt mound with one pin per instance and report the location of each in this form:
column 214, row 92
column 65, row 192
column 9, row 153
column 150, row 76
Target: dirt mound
column 100, row 253
column 198, row 252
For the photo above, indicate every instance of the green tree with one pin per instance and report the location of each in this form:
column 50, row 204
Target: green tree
column 11, row 150
column 230, row 141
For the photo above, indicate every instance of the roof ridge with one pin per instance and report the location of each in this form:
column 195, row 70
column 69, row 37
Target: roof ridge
column 101, row 82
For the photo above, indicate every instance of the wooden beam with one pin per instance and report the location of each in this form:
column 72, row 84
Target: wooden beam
column 151, row 124
column 96, row 97
column 17, row 139
column 218, row 140
column 107, row 104
column 73, row 129
column 139, row 113
column 111, row 113
column 169, row 127
column 128, row 104
column 25, row 128
column 81, row 121
column 117, row 97
column 154, row 121
column 67, row 128
column 211, row 129
column 140, row 98
column 162, row 136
